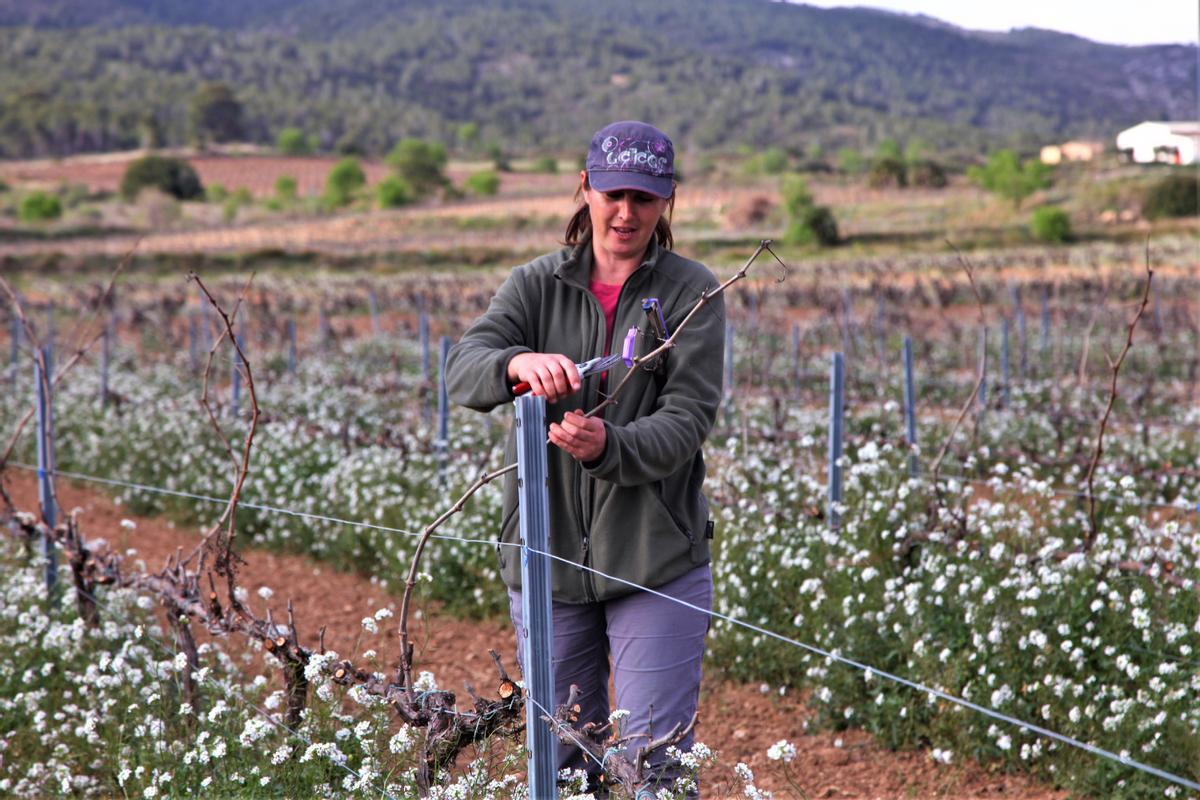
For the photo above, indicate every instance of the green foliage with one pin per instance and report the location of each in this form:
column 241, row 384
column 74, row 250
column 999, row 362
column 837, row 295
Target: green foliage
column 1006, row 176
column 772, row 161
column 887, row 171
column 173, row 176
column 393, row 192
column 216, row 193
column 468, row 134
column 546, row 164
column 365, row 71
column 420, row 163
column 294, row 142
column 888, row 149
column 285, row 188
column 345, row 178
column 1176, row 195
column 1051, row 224
column 499, row 158
column 484, row 183
column 820, row 220
column 215, row 114
column 796, row 197
column 850, row 161
column 40, row 207
column 808, row 222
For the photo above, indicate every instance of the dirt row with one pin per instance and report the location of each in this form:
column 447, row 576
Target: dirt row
column 739, row 721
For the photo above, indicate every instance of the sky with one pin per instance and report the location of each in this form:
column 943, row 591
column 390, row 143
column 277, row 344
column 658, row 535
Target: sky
column 1108, row 21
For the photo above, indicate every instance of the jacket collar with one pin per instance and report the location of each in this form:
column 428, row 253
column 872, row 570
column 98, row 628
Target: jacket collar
column 576, row 268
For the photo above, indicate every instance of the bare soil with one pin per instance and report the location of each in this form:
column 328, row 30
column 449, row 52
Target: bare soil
column 739, row 721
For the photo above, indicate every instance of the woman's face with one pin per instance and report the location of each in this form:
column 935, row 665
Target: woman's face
column 622, row 221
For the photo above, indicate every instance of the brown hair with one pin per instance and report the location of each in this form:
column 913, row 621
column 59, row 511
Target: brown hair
column 580, row 224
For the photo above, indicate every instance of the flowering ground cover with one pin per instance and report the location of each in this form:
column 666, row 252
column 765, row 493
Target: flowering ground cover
column 986, row 586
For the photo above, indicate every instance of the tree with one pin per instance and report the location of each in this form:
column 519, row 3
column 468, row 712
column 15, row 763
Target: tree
column 1006, row 176
column 215, row 114
column 420, row 163
column 293, row 142
column 345, row 178
column 173, row 176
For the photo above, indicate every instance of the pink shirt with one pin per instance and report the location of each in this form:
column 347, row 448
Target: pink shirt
column 607, row 294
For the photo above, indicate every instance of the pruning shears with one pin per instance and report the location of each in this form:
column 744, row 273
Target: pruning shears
column 600, row 364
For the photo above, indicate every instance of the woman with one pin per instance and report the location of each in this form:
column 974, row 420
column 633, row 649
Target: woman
column 625, row 486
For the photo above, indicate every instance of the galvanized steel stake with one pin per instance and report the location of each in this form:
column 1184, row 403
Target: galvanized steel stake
column 537, row 635
column 45, row 456
column 837, row 402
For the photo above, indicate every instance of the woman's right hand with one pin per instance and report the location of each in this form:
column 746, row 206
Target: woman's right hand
column 549, row 375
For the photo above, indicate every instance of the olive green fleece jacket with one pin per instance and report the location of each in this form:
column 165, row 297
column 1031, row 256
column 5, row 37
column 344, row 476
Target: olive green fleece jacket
column 638, row 512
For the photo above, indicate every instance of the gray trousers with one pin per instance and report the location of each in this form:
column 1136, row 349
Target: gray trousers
column 656, row 647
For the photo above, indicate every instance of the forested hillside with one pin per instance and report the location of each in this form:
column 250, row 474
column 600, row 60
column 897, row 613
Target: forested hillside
column 358, row 74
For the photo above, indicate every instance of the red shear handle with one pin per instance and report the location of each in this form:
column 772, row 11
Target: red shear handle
column 521, row 388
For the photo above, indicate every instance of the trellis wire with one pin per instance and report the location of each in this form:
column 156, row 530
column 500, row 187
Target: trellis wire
column 724, row 617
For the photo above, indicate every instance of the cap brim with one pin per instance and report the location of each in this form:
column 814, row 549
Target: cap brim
column 615, row 180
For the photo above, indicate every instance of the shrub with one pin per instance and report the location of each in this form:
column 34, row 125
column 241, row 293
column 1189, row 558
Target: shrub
column 849, row 161
column 796, row 197
column 345, row 178
column 1175, row 195
column 173, row 176
column 926, row 173
column 546, row 164
column 40, row 207
column 393, row 192
column 216, row 193
column 485, row 183
column 420, row 163
column 820, row 220
column 816, row 225
column 293, row 142
column 771, row 161
column 1051, row 224
column 285, row 188
column 887, row 171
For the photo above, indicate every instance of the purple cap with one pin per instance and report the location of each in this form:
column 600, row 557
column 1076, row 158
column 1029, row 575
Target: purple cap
column 632, row 155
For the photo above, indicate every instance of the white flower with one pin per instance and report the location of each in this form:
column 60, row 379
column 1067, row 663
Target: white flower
column 369, row 625
column 128, row 524
column 265, row 592
column 783, row 750
column 743, row 772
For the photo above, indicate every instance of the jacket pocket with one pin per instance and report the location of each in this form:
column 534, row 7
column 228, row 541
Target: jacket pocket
column 680, row 525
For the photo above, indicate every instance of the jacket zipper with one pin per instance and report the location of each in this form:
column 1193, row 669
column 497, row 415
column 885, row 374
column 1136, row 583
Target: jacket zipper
column 583, row 480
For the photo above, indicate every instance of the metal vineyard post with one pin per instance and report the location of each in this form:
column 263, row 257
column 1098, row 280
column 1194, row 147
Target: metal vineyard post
column 1004, row 393
column 837, row 410
column 537, row 634
column 45, row 456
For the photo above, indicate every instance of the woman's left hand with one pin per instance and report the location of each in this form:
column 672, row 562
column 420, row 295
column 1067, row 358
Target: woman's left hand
column 582, row 437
